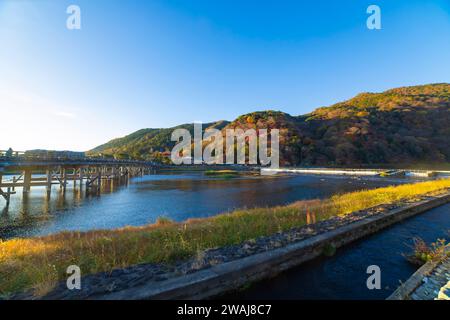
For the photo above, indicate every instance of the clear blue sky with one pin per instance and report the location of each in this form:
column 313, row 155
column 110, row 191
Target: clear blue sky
column 159, row 63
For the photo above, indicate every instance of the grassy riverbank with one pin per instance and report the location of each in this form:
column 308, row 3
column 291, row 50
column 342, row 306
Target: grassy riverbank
column 38, row 263
column 222, row 173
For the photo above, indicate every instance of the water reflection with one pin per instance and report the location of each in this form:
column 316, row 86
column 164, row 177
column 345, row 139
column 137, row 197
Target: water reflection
column 178, row 196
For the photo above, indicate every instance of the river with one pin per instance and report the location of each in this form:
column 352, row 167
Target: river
column 178, row 196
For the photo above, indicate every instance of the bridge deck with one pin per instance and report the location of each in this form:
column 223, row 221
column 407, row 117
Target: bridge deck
column 22, row 163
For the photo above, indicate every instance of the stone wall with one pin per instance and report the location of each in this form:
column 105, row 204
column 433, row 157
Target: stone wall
column 429, row 282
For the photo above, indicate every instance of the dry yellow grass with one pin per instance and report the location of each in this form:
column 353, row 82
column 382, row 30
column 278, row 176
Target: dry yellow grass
column 38, row 263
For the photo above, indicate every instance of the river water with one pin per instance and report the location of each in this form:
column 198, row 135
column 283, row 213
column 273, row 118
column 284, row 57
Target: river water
column 178, row 196
column 344, row 276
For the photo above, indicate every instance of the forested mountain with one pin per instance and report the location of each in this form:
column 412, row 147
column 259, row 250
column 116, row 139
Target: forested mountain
column 403, row 125
column 147, row 144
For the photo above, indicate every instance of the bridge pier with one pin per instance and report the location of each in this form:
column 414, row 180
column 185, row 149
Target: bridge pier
column 99, row 179
column 26, row 181
column 94, row 173
column 81, row 170
column 74, row 177
column 7, row 195
column 62, row 179
column 49, row 183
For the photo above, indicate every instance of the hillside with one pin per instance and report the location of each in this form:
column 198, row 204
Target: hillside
column 147, row 144
column 404, row 125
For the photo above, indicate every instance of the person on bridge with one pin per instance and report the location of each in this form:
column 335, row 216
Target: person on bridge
column 9, row 153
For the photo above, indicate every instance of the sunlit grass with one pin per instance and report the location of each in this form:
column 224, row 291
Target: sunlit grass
column 38, row 263
column 222, row 173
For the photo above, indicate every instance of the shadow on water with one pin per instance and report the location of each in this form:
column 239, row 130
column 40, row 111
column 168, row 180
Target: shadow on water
column 177, row 196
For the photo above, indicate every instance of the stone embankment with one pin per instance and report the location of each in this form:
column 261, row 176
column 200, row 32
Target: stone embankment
column 430, row 282
column 221, row 270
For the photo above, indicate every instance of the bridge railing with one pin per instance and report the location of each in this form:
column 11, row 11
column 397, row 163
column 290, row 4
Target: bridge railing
column 20, row 157
column 8, row 153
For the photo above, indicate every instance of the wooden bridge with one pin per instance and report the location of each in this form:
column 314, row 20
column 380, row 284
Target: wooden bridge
column 36, row 171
